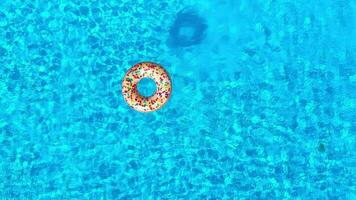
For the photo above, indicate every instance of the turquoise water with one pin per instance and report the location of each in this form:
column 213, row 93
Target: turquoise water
column 146, row 87
column 263, row 103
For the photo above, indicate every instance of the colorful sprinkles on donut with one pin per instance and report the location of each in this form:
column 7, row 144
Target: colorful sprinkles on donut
column 146, row 70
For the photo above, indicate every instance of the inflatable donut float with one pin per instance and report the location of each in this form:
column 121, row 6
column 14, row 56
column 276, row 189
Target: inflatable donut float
column 146, row 70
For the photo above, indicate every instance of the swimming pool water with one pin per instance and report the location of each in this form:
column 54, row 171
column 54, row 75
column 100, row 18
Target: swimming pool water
column 146, row 87
column 263, row 103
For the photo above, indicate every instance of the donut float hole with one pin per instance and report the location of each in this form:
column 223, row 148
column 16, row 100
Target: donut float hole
column 146, row 87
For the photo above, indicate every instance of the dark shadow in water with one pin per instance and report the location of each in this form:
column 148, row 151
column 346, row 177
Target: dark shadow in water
column 187, row 29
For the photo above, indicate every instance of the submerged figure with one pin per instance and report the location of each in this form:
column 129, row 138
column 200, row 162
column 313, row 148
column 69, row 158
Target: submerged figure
column 187, row 29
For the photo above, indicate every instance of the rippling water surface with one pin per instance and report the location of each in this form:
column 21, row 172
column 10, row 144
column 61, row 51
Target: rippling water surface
column 263, row 103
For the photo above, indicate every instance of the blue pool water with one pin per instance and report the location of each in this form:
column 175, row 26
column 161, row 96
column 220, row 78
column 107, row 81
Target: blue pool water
column 263, row 103
column 146, row 87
